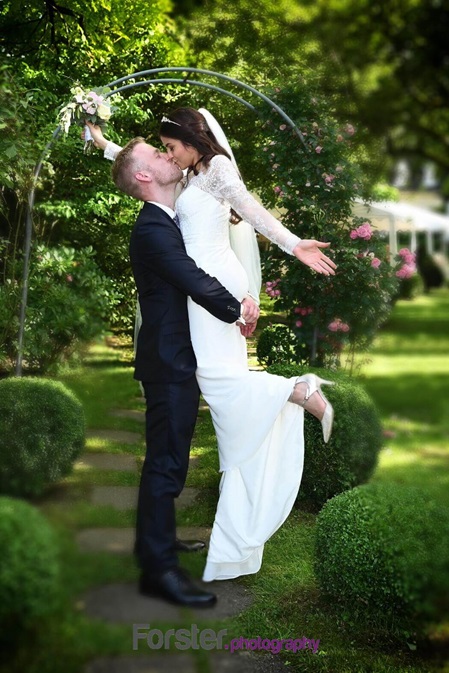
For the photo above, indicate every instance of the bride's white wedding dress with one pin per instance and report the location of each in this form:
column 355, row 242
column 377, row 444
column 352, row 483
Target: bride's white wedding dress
column 259, row 433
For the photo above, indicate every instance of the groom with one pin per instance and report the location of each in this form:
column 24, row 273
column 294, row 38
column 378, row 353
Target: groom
column 165, row 362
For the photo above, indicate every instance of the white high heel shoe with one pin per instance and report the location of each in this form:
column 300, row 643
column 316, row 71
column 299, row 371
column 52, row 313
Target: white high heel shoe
column 314, row 384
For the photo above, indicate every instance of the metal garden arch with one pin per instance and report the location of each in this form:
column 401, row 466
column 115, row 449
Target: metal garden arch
column 117, row 86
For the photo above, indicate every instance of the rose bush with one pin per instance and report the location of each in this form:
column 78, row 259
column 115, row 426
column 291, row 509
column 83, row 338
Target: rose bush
column 312, row 180
column 69, row 303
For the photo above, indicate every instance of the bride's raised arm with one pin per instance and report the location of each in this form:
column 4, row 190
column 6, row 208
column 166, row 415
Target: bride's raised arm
column 223, row 182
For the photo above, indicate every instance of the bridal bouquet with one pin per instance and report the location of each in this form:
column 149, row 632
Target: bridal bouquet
column 90, row 105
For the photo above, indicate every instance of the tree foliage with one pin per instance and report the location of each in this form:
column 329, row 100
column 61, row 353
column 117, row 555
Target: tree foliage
column 383, row 66
column 46, row 46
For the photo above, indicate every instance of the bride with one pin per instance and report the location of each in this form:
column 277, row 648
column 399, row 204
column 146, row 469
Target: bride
column 258, row 417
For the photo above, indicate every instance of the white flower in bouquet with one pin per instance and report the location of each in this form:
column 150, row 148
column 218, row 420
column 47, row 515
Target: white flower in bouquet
column 91, row 105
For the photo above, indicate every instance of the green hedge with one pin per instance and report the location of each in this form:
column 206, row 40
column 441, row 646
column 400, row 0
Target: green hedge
column 410, row 288
column 42, row 431
column 350, row 457
column 382, row 554
column 29, row 567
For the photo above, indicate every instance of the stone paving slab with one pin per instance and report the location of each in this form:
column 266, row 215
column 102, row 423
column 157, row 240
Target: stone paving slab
column 119, row 497
column 121, row 540
column 121, row 462
column 125, row 497
column 237, row 662
column 122, row 436
column 123, row 604
column 158, row 663
column 129, row 413
column 246, row 662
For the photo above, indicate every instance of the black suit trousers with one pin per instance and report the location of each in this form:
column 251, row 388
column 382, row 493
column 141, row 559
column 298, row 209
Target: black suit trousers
column 171, row 414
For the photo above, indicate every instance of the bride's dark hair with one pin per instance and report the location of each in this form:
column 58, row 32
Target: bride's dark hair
column 189, row 126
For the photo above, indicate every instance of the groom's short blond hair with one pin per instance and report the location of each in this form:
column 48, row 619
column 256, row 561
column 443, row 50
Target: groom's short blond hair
column 124, row 168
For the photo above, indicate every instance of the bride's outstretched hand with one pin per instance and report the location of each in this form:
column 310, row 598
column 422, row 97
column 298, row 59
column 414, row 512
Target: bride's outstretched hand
column 309, row 253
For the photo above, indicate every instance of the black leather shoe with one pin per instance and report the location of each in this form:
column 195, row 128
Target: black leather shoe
column 189, row 545
column 175, row 586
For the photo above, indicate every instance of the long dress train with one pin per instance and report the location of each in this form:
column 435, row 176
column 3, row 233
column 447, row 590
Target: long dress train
column 259, row 432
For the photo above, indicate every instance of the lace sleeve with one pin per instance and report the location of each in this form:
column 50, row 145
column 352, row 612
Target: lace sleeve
column 111, row 150
column 223, row 182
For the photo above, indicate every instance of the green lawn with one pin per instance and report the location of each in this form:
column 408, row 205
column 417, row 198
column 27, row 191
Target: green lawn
column 407, row 374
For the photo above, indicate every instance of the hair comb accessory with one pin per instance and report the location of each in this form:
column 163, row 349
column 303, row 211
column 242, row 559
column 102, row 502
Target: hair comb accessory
column 169, row 121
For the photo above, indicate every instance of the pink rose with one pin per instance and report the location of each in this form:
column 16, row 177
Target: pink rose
column 318, row 149
column 350, row 129
column 364, row 231
column 277, row 190
column 375, row 262
column 406, row 271
column 298, row 323
column 338, row 325
column 69, row 278
column 283, row 127
column 408, row 257
column 340, row 138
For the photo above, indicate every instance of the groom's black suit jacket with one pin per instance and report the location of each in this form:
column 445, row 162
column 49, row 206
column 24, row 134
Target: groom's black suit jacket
column 165, row 275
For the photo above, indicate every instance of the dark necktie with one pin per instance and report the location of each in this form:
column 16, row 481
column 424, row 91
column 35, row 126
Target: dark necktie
column 176, row 219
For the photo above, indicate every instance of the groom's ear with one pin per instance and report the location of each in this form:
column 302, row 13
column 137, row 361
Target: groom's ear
column 143, row 176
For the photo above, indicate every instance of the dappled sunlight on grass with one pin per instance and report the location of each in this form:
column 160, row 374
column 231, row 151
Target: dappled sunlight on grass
column 408, row 377
column 398, row 365
column 99, row 445
column 417, row 398
column 406, row 426
column 416, row 328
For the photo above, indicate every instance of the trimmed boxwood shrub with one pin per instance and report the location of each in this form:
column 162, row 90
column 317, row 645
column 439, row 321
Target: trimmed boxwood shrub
column 29, row 567
column 276, row 345
column 382, row 553
column 42, row 431
column 410, row 288
column 351, row 455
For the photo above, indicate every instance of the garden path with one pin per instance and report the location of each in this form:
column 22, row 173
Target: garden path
column 120, row 603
